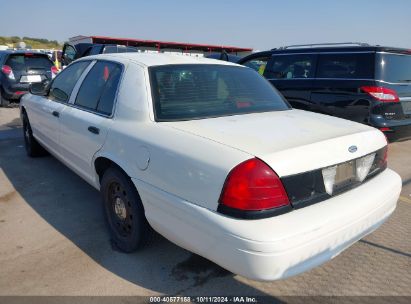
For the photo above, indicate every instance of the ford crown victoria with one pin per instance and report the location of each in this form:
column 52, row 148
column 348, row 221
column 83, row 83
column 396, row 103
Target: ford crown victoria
column 211, row 156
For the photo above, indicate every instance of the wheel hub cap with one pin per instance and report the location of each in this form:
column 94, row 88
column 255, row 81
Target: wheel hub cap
column 120, row 208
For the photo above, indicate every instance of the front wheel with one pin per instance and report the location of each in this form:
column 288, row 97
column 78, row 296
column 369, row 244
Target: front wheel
column 124, row 210
column 33, row 148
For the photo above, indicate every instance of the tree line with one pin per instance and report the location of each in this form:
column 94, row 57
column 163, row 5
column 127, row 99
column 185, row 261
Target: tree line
column 30, row 41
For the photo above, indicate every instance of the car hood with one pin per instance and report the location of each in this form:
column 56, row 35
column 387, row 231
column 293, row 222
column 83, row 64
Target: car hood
column 291, row 141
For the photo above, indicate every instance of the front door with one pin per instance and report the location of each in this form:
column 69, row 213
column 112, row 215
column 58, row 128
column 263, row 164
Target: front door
column 45, row 111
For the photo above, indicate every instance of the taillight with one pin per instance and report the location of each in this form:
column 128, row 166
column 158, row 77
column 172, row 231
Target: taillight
column 54, row 70
column 252, row 186
column 381, row 93
column 8, row 71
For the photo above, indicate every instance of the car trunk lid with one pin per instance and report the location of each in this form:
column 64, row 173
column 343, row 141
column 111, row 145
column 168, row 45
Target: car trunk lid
column 291, row 141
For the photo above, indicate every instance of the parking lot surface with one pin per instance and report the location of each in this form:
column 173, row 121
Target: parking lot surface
column 54, row 241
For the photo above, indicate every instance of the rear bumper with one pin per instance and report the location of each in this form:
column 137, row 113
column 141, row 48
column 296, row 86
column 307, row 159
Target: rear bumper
column 277, row 247
column 15, row 91
column 399, row 129
column 399, row 132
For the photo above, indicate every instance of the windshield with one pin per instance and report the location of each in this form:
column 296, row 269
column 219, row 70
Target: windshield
column 395, row 68
column 194, row 91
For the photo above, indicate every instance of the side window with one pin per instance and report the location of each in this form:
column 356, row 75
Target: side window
column 63, row 84
column 98, row 90
column 257, row 64
column 291, row 66
column 95, row 50
column 359, row 65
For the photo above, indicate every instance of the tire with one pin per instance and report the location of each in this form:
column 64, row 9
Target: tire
column 33, row 148
column 3, row 101
column 124, row 211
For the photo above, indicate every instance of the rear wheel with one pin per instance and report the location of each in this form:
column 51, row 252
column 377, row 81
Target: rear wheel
column 124, row 210
column 33, row 148
column 3, row 101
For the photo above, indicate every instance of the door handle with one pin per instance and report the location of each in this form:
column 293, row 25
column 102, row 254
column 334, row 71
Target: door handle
column 55, row 113
column 94, row 130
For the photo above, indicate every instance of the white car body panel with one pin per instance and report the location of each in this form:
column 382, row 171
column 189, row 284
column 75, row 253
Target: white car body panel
column 272, row 136
column 179, row 169
column 80, row 145
column 278, row 247
column 45, row 125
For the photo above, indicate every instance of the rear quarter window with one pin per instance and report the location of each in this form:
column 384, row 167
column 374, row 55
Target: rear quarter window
column 395, row 68
column 346, row 66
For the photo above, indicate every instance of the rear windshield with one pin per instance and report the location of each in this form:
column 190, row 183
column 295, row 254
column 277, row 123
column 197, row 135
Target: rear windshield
column 194, row 91
column 119, row 49
column 29, row 61
column 394, row 68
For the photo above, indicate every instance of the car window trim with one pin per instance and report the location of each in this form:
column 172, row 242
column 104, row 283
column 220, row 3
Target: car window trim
column 327, row 53
column 73, row 105
column 392, row 53
column 77, row 86
column 319, row 78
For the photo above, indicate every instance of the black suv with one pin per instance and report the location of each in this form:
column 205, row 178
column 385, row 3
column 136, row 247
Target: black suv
column 19, row 69
column 72, row 52
column 367, row 84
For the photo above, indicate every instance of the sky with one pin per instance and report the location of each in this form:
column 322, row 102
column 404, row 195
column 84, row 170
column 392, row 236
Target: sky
column 259, row 24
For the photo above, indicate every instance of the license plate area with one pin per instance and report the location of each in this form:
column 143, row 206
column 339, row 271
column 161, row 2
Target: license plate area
column 345, row 175
column 30, row 78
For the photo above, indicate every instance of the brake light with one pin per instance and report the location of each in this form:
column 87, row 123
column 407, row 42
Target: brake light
column 381, row 93
column 253, row 185
column 8, row 71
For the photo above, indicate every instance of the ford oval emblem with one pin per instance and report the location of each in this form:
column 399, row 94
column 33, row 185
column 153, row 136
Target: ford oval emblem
column 352, row 149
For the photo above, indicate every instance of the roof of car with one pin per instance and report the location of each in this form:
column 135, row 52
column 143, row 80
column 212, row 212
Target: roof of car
column 22, row 52
column 319, row 49
column 322, row 49
column 154, row 59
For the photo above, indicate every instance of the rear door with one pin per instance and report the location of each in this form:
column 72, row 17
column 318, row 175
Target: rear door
column 292, row 75
column 336, row 89
column 85, row 123
column 393, row 70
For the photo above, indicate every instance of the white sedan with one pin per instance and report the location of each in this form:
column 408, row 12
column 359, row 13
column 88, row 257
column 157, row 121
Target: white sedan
column 212, row 157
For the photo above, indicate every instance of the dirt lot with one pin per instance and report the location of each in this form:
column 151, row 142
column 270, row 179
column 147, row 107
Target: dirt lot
column 53, row 241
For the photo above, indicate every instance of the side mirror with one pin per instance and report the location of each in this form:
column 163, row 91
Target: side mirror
column 39, row 88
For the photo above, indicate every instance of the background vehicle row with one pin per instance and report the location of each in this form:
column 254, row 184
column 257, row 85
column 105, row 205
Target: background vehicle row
column 367, row 84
